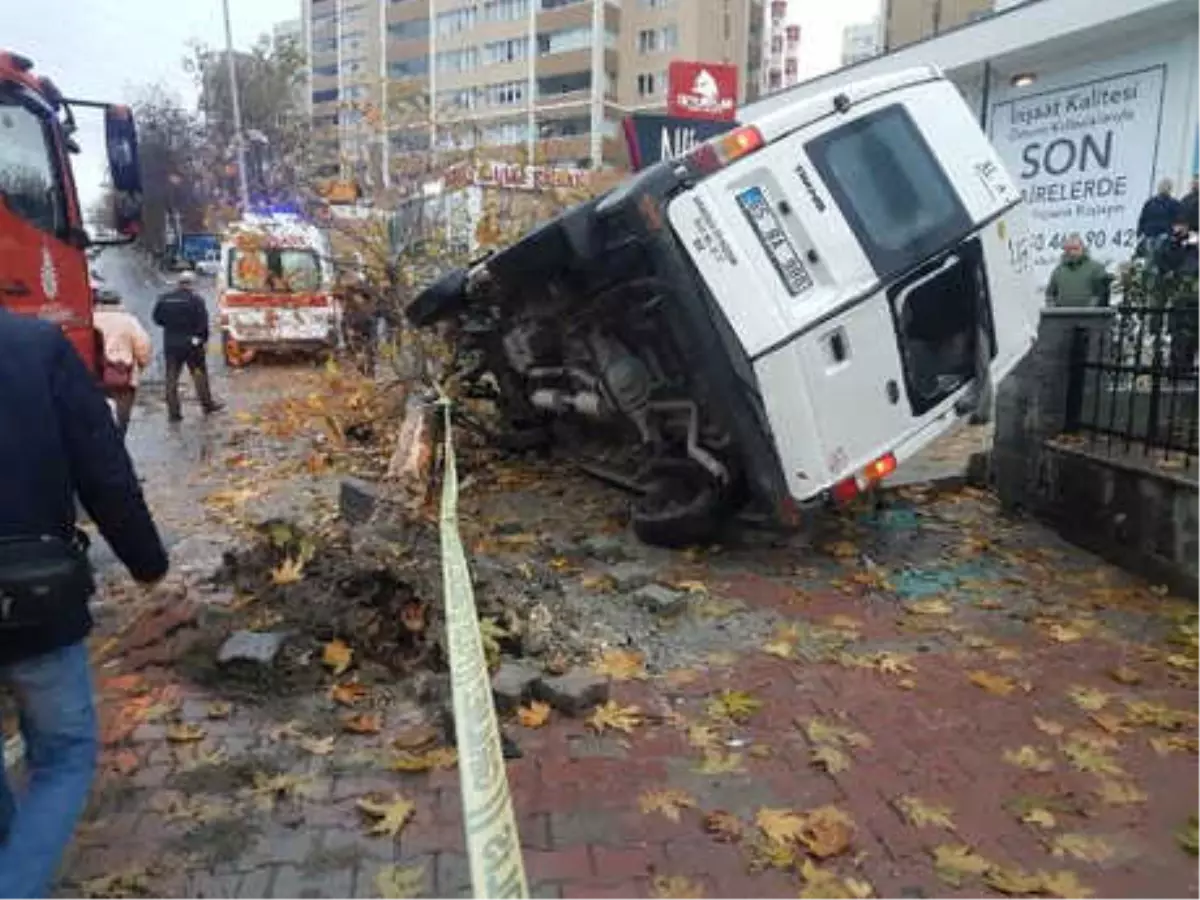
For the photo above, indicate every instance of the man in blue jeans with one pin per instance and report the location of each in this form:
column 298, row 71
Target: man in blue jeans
column 58, row 440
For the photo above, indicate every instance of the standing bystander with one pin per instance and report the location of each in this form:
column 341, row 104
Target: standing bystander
column 183, row 317
column 57, row 441
column 1078, row 280
column 126, row 353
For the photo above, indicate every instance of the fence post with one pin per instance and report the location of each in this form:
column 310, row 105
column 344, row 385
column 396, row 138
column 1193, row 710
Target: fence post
column 1077, row 357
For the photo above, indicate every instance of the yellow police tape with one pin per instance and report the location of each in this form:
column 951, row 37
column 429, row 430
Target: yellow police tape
column 493, row 844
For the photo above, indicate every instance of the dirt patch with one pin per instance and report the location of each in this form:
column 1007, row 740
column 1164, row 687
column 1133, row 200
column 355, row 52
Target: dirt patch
column 223, row 778
column 218, row 841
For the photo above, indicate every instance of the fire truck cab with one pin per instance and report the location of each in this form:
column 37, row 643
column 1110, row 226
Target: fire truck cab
column 43, row 242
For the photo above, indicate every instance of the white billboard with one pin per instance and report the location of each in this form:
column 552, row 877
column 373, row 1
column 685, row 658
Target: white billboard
column 1084, row 156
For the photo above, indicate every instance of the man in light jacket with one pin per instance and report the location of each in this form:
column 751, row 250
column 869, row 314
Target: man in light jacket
column 127, row 350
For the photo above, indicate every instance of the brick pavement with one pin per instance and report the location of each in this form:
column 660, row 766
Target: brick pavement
column 893, row 615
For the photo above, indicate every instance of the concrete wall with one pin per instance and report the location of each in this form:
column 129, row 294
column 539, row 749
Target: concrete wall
column 1137, row 517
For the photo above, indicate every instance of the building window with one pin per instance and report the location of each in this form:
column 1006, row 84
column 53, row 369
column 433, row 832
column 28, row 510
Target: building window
column 775, row 79
column 565, row 128
column 464, row 60
column 559, row 4
column 324, row 96
column 508, row 93
column 325, row 45
column 411, row 141
column 777, row 44
column 655, row 4
column 413, row 30
column 506, row 51
column 564, row 84
column 658, row 40
column 651, row 84
column 325, row 70
column 505, row 10
column 409, row 68
column 564, row 41
column 506, row 133
column 458, row 99
column 357, row 92
column 456, row 21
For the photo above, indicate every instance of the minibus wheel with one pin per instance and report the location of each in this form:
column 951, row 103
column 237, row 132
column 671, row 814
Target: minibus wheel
column 681, row 506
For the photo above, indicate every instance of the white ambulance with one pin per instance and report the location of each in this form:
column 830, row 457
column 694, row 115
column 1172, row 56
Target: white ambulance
column 275, row 286
column 784, row 315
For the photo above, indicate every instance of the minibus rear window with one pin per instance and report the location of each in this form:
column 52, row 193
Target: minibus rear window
column 891, row 189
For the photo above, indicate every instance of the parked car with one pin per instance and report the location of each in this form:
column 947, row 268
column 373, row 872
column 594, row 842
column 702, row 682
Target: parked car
column 782, row 317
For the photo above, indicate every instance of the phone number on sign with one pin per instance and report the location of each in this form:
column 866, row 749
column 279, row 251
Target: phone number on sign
column 1095, row 240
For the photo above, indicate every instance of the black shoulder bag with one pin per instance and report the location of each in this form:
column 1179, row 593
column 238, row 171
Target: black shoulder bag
column 43, row 579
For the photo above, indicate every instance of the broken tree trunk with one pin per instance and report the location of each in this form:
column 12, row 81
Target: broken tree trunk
column 411, row 465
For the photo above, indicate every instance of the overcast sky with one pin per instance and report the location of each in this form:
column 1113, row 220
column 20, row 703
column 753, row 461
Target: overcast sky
column 106, row 49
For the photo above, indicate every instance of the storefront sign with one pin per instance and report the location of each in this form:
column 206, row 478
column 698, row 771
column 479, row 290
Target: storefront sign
column 515, row 176
column 1084, row 158
column 652, row 139
column 699, row 90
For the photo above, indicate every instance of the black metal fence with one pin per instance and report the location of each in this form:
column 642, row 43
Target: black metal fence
column 1133, row 386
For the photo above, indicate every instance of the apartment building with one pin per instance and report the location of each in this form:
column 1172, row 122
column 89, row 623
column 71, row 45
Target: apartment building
column 908, row 21
column 780, row 49
column 547, row 80
column 860, row 41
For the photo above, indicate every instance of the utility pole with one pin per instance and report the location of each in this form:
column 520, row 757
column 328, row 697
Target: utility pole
column 239, row 142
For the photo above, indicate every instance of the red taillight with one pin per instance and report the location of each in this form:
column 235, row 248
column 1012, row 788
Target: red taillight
column 721, row 151
column 880, row 468
column 845, row 490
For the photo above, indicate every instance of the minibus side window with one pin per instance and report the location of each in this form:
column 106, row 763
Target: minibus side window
column 891, row 189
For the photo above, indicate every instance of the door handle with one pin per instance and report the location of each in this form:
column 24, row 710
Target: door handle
column 15, row 288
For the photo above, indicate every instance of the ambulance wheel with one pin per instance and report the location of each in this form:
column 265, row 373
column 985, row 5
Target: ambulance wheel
column 680, row 508
column 235, row 357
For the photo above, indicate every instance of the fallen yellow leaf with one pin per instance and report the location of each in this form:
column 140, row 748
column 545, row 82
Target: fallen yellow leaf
column 782, row 649
column 336, row 656
column 289, row 571
column 724, row 826
column 219, row 709
column 829, row 758
column 821, row 731
column 821, row 883
column 612, row 715
column 921, row 814
column 827, row 831
column 1001, row 685
column 184, row 733
column 621, row 665
column 1063, row 634
column 400, row 882
column 1086, row 758
column 1014, row 882
column 391, row 814
column 348, row 694
column 535, row 715
column 932, row 606
column 318, row 746
column 1029, row 758
column 670, row 802
column 674, row 886
column 717, row 763
column 1042, row 818
column 954, row 863
column 1046, row 726
column 841, row 549
column 363, row 723
column 703, row 737
column 735, row 705
column 1064, row 884
column 1120, row 793
column 1125, row 675
column 437, row 758
column 1088, row 699
column 1084, row 847
column 779, row 825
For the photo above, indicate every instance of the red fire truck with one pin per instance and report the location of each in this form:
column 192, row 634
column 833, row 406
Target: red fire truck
column 43, row 243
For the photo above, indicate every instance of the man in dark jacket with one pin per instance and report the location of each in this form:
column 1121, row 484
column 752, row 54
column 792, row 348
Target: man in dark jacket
column 183, row 317
column 1158, row 213
column 1189, row 213
column 58, row 440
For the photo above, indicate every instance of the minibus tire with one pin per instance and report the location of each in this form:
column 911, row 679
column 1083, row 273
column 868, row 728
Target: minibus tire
column 681, row 525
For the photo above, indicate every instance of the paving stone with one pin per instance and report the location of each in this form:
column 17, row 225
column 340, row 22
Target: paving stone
column 604, row 547
column 258, row 647
column 661, row 601
column 574, row 693
column 453, row 874
column 629, row 576
column 358, row 500
column 513, row 684
column 256, row 883
column 207, row 884
column 291, row 881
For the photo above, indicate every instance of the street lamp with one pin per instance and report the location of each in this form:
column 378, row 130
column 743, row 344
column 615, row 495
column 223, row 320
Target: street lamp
column 237, row 111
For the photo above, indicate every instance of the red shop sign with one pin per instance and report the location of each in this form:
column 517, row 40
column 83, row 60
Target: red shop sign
column 701, row 90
